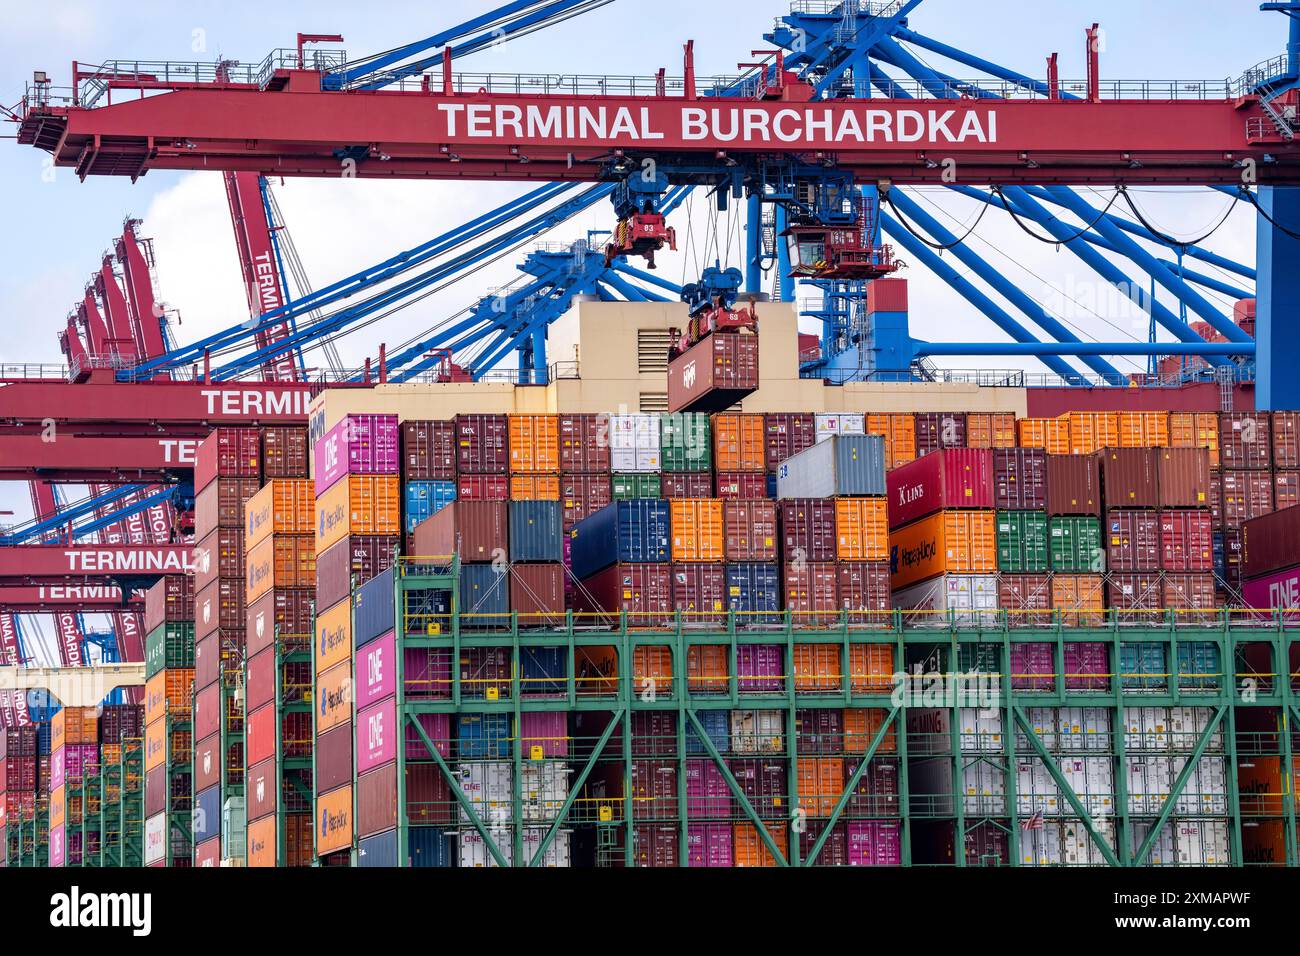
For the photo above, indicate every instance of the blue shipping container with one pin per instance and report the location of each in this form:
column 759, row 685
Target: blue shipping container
column 424, row 499
column 1199, row 667
column 752, row 591
column 372, row 609
column 536, row 531
column 717, row 724
column 1142, row 667
column 625, row 532
column 483, row 736
column 379, row 850
column 485, row 591
column 430, row 847
column 542, row 670
column 207, row 814
column 844, row 465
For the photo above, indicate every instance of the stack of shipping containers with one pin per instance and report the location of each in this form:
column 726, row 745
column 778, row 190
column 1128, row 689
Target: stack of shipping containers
column 169, row 707
column 74, row 751
column 24, row 799
column 119, row 780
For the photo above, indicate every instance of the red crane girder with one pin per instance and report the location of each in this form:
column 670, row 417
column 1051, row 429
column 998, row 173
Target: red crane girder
column 90, row 564
column 200, row 405
column 86, row 599
column 79, row 457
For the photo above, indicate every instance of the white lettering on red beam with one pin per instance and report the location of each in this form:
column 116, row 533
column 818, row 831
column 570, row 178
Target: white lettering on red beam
column 250, row 402
column 147, row 561
column 810, row 125
column 77, row 592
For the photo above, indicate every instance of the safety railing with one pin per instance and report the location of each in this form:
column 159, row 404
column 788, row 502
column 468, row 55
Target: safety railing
column 825, row 8
column 34, row 370
column 287, row 58
column 1260, row 75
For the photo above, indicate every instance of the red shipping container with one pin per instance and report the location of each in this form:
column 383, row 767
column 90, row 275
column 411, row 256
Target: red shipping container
column 1286, row 440
column 713, row 374
column 228, row 453
column 1132, row 541
column 887, row 295
column 261, row 679
column 1184, row 477
column 936, row 430
column 700, row 592
column 482, row 444
column 742, row 484
column 1020, row 479
column 584, row 444
column 1073, row 485
column 1246, row 495
column 863, row 589
column 1185, row 593
column 1245, row 440
column 171, row 599
column 644, row 591
column 260, row 793
column 377, row 800
column 749, row 526
column 474, row 529
column 219, row 555
column 221, row 504
column 334, row 758
column 207, row 711
column 284, row 452
column 220, row 605
column 1270, row 543
column 207, row 763
column 582, row 496
column 953, row 478
column 428, row 451
column 219, row 656
column 1136, row 597
column 537, row 594
column 358, row 557
column 287, row 611
column 811, row 593
column 1129, row 477
column 786, row 434
column 428, row 796
column 1286, row 489
column 1187, row 540
column 808, row 529
column 483, row 488
column 1027, row 598
column 689, row 485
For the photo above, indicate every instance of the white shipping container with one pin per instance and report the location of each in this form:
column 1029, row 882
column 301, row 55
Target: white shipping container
column 634, row 460
column 1203, row 842
column 1041, row 847
column 1084, row 729
column 1163, row 851
column 474, row 852
column 1187, row 724
column 234, row 832
column 155, row 838
column 544, row 788
column 634, row 443
column 489, row 789
column 1147, row 729
column 1043, row 720
column 1036, row 791
column 1206, row 791
column 981, row 730
column 1093, row 781
column 1148, row 784
column 973, row 598
column 1078, row 847
column 757, row 732
column 984, row 789
column 830, row 424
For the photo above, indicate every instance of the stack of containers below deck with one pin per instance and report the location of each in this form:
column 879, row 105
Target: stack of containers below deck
column 586, row 484
column 943, row 537
column 358, row 495
column 1246, row 485
column 74, row 751
column 22, row 790
column 1024, row 559
column 170, row 615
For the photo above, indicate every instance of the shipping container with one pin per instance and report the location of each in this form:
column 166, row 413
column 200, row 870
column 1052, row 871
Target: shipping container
column 1143, row 430
column 1129, row 477
column 1080, row 598
column 852, row 465
column 750, row 850
column 424, row 499
column 334, row 816
column 754, row 593
column 1186, row 540
column 220, row 605
column 786, row 434
column 952, row 478
column 634, row 443
column 171, row 599
column 951, row 542
column 643, row 591
column 537, row 595
column 359, row 504
column 1246, row 495
column 482, row 445
column 1270, row 543
column 284, row 506
column 863, row 592
column 221, row 503
column 1023, row 542
column 743, row 485
column 227, row 453
column 714, row 373
column 534, row 487
column 1188, row 430
column 678, row 485
column 811, row 595
column 808, row 531
column 1136, row 597
column 1020, row 479
column 475, row 530
column 1073, row 485
column 697, row 532
column 281, row 562
column 168, row 645
column 939, row 430
column 1076, row 545
column 220, row 554
column 485, row 595
column 861, row 529
column 333, row 756
column 483, row 488
column 535, row 531
column 357, row 445
column 629, row 532
column 634, row 487
column 353, row 560
column 739, row 443
column 1286, row 489
column 966, row 600
column 1286, row 440
column 1191, row 597
column 991, row 430
column 333, row 700
column 534, row 444
column 429, row 451
column 830, row 424
column 700, row 592
column 584, row 495
column 1183, row 478
column 750, row 531
column 285, row 452
column 1245, row 440
column 373, row 611
column 899, row 433
column 1133, row 541
column 283, row 611
column 1026, row 599
column 686, row 446
column 584, row 444
column 1090, row 432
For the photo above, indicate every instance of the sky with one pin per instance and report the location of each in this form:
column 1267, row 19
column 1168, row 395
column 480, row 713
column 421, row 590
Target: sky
column 57, row 228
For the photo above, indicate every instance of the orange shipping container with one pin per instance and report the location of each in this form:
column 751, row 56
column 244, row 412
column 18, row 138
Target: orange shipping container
column 535, row 444
column 748, row 848
column 861, row 529
column 333, row 643
column 697, row 530
column 871, row 668
column 899, row 432
column 1259, row 780
column 168, row 692
column 358, row 504
column 652, row 669
column 262, row 842
column 334, row 816
column 1187, row 430
column 58, row 807
column 1143, row 430
column 534, row 487
column 706, row 669
column 283, row 506
column 817, row 668
column 73, row 725
column 821, row 781
column 991, row 430
column 333, row 697
column 860, row 728
column 1081, row 598
column 1050, row 434
column 157, row 749
column 739, row 443
column 950, row 542
column 281, row 561
column 1092, row 431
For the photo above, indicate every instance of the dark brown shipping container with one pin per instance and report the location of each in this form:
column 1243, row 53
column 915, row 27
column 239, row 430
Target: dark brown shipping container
column 584, row 444
column 482, row 445
column 1216, row 497
column 221, row 504
column 1135, row 596
column 1183, row 476
column 1270, row 543
column 483, row 488
column 644, row 591
column 1246, row 495
column 654, row 790
column 745, row 485
column 688, row 485
column 834, row 852
column 1129, row 477
column 428, row 796
column 537, row 594
column 1233, row 557
column 700, row 592
column 219, row 656
column 358, row 556
column 864, row 587
column 763, row 782
column 284, row 452
column 171, row 599
column 657, row 846
column 936, row 430
column 1132, row 541
column 1286, row 440
column 259, row 790
column 377, row 800
column 287, row 611
column 334, row 758
column 476, row 530
column 1286, row 489
column 220, row 605
column 1245, row 440
column 1020, row 479
column 786, row 434
column 428, row 451
column 1073, row 485
column 583, row 495
column 713, row 374
column 1027, row 598
column 207, row 763
column 808, row 529
column 654, row 733
column 811, row 591
column 228, row 453
column 750, row 529
column 219, row 555
column 819, row 730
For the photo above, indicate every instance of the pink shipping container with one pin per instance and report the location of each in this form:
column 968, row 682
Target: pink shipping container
column 709, row 845
column 875, row 844
column 438, row 729
column 760, row 668
column 952, row 478
column 377, row 735
column 741, row 484
column 1279, row 590
column 426, row 673
column 376, row 671
column 1032, row 667
column 1187, row 540
column 547, row 730
column 1087, row 666
column 707, row 793
column 358, row 445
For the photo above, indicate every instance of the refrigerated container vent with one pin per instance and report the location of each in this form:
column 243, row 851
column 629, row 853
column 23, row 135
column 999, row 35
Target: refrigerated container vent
column 652, row 353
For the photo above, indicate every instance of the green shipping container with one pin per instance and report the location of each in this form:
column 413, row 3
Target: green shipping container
column 685, row 443
column 1076, row 546
column 168, row 645
column 1022, row 542
column 629, row 487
